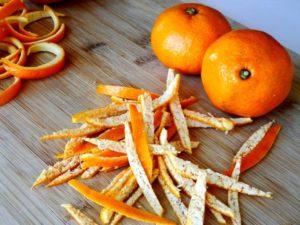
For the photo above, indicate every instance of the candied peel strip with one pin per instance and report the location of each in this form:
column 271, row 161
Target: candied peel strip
column 118, row 206
column 57, row 169
column 73, row 133
column 80, row 217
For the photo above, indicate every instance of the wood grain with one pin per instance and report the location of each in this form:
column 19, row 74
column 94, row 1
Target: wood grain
column 108, row 42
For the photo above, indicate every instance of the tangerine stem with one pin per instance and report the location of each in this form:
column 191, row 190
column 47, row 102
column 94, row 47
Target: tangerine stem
column 191, row 11
column 245, row 74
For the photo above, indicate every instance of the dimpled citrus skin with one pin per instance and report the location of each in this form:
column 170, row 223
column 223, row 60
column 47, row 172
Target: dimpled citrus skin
column 179, row 40
column 268, row 62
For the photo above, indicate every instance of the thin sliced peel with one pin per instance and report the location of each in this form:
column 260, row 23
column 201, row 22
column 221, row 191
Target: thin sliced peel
column 133, row 199
column 57, row 169
column 166, row 178
column 170, row 92
column 122, row 92
column 103, row 112
column 178, row 145
column 190, row 170
column 222, row 124
column 90, row 172
column 91, row 160
column 254, row 139
column 80, row 217
column 65, row 177
column 178, row 116
column 109, row 121
column 259, row 151
column 118, row 181
column 140, row 138
column 73, row 133
column 120, row 147
column 233, row 199
column 175, row 201
column 163, row 123
column 148, row 116
column 196, row 209
column 188, row 184
column 118, row 206
column 140, row 173
column 124, row 193
column 219, row 217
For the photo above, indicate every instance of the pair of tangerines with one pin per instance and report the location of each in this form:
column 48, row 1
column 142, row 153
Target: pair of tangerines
column 244, row 72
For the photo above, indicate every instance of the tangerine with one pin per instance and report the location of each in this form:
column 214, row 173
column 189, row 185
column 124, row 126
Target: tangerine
column 181, row 34
column 247, row 73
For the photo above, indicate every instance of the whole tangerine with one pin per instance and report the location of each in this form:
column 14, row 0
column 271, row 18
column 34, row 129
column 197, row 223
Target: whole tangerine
column 181, row 34
column 247, row 73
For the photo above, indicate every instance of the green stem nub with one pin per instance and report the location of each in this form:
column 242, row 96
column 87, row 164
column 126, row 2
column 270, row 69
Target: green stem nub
column 245, row 74
column 191, row 11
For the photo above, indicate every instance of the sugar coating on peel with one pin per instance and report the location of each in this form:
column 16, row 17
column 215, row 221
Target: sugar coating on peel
column 57, row 169
column 175, row 202
column 196, row 209
column 169, row 93
column 190, row 170
column 140, row 173
column 188, row 184
column 233, row 199
column 109, row 121
column 178, row 116
column 80, row 217
column 148, row 116
column 253, row 140
column 73, row 133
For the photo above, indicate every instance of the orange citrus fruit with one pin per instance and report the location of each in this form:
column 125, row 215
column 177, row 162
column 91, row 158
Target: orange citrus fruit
column 182, row 33
column 247, row 73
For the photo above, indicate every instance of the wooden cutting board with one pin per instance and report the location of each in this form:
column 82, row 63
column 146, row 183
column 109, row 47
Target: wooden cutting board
column 108, row 42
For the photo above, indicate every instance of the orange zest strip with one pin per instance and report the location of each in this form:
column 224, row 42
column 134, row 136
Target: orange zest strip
column 172, row 130
column 95, row 160
column 260, row 151
column 10, row 7
column 22, row 58
column 22, row 29
column 59, row 35
column 157, row 118
column 122, row 92
column 38, row 15
column 188, row 101
column 43, row 70
column 11, row 92
column 140, row 139
column 19, row 57
column 34, row 16
column 80, row 149
column 22, row 37
column 117, row 206
column 109, row 153
column 114, row 134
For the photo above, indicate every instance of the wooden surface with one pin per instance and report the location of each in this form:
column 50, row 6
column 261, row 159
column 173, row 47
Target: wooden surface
column 108, row 42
